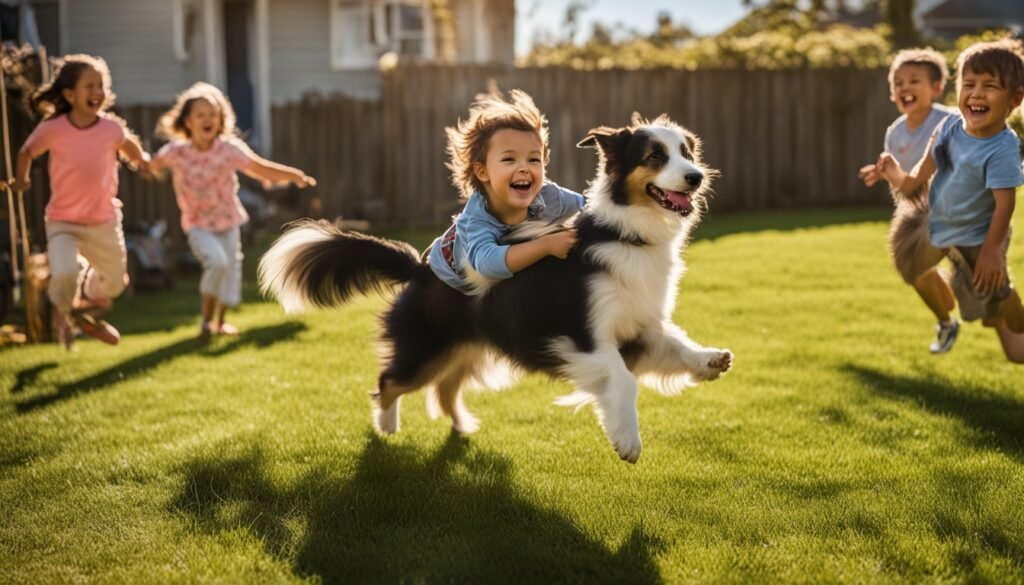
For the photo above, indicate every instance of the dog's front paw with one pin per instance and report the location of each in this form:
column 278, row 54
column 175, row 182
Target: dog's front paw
column 628, row 446
column 716, row 363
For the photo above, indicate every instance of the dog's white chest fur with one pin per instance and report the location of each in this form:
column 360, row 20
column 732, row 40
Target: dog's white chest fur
column 637, row 292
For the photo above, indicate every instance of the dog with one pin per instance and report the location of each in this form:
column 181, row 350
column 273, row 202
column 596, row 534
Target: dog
column 599, row 319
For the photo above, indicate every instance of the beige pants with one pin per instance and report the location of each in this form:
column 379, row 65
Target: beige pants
column 102, row 275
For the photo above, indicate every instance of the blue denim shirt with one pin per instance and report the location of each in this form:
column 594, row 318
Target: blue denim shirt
column 474, row 234
column 967, row 169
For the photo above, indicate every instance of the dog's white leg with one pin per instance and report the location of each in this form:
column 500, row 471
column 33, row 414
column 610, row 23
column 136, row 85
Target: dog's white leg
column 603, row 379
column 385, row 420
column 669, row 353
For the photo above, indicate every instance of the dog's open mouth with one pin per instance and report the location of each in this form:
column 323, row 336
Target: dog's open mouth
column 675, row 201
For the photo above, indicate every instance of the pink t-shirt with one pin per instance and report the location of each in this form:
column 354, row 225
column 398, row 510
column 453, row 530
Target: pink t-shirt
column 206, row 182
column 83, row 168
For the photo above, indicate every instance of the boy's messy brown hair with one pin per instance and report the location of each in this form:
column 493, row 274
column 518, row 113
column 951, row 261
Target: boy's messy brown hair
column 925, row 57
column 1003, row 59
column 172, row 123
column 49, row 98
column 468, row 140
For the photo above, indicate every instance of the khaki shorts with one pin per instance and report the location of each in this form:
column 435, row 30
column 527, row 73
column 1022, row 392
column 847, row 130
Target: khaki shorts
column 974, row 305
column 912, row 252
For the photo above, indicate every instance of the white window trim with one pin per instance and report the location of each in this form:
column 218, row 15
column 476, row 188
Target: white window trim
column 376, row 10
column 181, row 45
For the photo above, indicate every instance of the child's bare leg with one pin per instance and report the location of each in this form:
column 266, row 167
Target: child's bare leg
column 1012, row 312
column 935, row 293
column 209, row 311
column 223, row 327
column 1013, row 343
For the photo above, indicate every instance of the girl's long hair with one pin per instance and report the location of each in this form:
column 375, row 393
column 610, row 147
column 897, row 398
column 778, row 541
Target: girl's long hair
column 49, row 99
column 172, row 123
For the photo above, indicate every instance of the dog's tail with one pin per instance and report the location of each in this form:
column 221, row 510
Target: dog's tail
column 317, row 264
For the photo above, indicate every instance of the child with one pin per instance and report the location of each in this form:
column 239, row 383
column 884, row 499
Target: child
column 976, row 163
column 203, row 157
column 497, row 159
column 916, row 79
column 84, row 214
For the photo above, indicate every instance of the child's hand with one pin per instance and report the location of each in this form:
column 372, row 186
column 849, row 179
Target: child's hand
column 305, row 181
column 559, row 244
column 989, row 275
column 889, row 169
column 870, row 174
column 21, row 184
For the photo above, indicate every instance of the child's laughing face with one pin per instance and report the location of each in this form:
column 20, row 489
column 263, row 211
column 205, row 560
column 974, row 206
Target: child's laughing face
column 913, row 90
column 88, row 94
column 513, row 173
column 985, row 103
column 203, row 121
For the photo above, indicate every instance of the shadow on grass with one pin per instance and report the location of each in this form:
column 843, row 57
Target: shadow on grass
column 998, row 420
column 259, row 338
column 28, row 376
column 405, row 517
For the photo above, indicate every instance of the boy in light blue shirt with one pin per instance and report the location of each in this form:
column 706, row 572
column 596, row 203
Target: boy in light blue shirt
column 975, row 166
column 497, row 158
column 917, row 77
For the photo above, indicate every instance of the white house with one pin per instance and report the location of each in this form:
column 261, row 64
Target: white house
column 266, row 52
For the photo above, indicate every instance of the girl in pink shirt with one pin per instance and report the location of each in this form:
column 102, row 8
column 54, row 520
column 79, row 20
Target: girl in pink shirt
column 83, row 217
column 204, row 157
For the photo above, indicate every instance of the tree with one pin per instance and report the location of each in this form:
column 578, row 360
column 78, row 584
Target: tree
column 900, row 16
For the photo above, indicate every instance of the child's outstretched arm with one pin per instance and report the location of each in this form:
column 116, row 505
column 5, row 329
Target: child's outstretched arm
column 989, row 272
column 133, row 152
column 522, row 255
column 275, row 172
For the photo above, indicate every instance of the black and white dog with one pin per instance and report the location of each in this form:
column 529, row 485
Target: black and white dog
column 597, row 319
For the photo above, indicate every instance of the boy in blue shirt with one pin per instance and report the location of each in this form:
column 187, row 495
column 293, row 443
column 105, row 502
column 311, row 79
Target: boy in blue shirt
column 975, row 160
column 917, row 78
column 497, row 159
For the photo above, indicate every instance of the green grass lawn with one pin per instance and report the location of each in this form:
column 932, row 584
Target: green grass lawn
column 837, row 449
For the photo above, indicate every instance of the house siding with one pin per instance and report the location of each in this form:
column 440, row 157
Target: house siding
column 136, row 40
column 300, row 49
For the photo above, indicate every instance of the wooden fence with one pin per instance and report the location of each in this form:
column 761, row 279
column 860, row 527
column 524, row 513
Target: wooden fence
column 780, row 138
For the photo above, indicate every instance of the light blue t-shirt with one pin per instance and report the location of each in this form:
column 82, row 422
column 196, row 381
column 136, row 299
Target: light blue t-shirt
column 966, row 171
column 908, row 145
column 473, row 236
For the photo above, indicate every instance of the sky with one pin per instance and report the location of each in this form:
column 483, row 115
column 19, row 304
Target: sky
column 702, row 16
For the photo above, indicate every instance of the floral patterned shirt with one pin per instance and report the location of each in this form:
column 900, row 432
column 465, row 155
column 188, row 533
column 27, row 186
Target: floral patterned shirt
column 206, row 182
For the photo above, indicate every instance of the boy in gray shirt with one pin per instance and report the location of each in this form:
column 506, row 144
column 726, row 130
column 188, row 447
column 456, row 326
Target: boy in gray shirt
column 916, row 79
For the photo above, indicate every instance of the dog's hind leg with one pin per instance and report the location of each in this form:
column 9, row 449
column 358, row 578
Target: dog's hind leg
column 670, row 360
column 396, row 380
column 449, row 399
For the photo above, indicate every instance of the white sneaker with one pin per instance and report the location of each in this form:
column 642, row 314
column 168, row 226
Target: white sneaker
column 945, row 337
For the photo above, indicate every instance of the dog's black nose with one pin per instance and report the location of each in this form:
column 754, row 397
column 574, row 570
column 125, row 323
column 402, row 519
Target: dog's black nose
column 694, row 179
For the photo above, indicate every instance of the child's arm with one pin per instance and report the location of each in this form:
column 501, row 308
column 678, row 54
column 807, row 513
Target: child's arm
column 275, row 172
column 133, row 152
column 910, row 185
column 22, row 179
column 989, row 272
column 523, row 255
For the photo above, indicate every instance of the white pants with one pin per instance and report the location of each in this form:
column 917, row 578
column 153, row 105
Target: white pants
column 101, row 245
column 220, row 253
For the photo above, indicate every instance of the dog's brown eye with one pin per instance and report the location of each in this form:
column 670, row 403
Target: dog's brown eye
column 655, row 156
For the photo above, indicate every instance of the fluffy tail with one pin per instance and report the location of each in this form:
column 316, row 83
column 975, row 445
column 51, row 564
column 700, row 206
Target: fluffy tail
column 317, row 264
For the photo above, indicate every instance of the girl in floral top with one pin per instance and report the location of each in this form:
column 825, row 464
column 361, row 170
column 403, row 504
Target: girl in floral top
column 204, row 158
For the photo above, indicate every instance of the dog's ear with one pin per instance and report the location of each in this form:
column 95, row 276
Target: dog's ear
column 602, row 137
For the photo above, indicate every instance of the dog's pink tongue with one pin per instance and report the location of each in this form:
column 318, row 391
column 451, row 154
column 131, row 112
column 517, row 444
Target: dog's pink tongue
column 680, row 200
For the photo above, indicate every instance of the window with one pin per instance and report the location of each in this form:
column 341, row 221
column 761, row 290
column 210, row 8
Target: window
column 363, row 30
